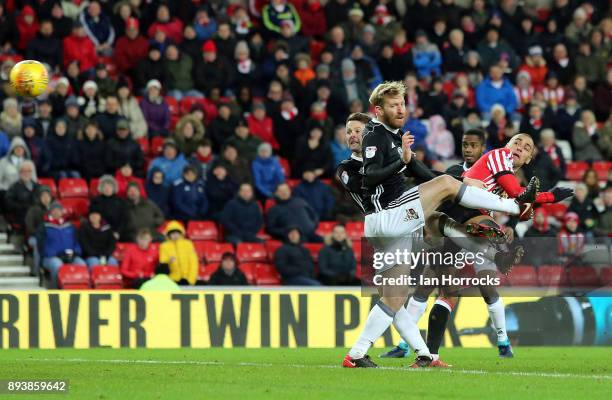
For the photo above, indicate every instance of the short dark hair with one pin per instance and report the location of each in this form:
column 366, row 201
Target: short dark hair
column 162, row 268
column 359, row 116
column 480, row 133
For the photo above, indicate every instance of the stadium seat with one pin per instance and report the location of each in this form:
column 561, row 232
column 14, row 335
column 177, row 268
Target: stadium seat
column 173, row 105
column 106, row 277
column 602, row 168
column 556, row 210
column 143, row 142
column 504, row 281
column 357, row 250
column 120, row 248
column 285, row 166
column 552, row 276
column 211, row 252
column 606, row 276
column 186, row 103
column 575, row 170
column 50, row 183
column 583, row 276
column 251, row 253
column 326, row 228
column 202, row 230
column 206, row 271
column 73, row 187
column 248, row 269
column 268, row 205
column 354, row 230
column 314, row 249
column 271, row 247
column 523, row 275
column 93, row 187
column 73, row 277
column 262, row 233
column 266, row 275
column 75, row 208
column 157, row 146
column 293, row 183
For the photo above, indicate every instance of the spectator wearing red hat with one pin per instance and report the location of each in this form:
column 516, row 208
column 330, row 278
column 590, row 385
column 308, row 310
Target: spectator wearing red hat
column 27, row 26
column 131, row 48
column 78, row 47
column 210, row 71
column 172, row 27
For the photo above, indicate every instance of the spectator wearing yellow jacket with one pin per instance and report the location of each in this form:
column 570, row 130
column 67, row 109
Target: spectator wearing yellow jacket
column 179, row 254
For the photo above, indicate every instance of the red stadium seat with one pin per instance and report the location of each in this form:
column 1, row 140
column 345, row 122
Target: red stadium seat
column 73, row 187
column 120, row 248
column 552, row 276
column 326, row 227
column 106, row 277
column 293, row 183
column 523, row 275
column 314, row 249
column 285, row 166
column 248, row 269
column 173, row 105
column 186, row 103
column 262, row 233
column 576, row 169
column 143, row 142
column 75, row 208
column 266, row 275
column 50, row 183
column 328, row 182
column 157, row 146
column 606, row 276
column 357, row 250
column 602, row 168
column 73, row 277
column 202, row 230
column 354, row 230
column 206, row 271
column 251, row 253
column 212, row 252
column 583, row 276
column 271, row 247
column 268, row 205
column 556, row 210
column 93, row 187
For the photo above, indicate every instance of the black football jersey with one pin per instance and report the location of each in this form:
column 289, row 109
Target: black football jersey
column 349, row 174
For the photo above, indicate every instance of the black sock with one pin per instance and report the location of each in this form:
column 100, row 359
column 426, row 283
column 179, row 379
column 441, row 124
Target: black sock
column 438, row 316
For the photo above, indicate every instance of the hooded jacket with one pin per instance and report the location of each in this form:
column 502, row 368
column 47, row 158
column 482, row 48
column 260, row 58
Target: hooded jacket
column 172, row 169
column 9, row 164
column 488, row 95
column 158, row 194
column 179, row 73
column 81, row 49
column 318, row 195
column 128, row 52
column 156, row 113
column 92, row 157
column 267, row 174
column 188, row 146
column 180, row 255
column 36, row 214
column 63, row 151
column 46, row 49
column 59, row 236
column 124, row 151
column 293, row 260
column 337, row 258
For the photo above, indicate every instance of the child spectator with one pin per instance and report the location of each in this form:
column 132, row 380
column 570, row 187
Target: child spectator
column 139, row 260
column 97, row 241
column 179, row 254
column 228, row 273
column 59, row 243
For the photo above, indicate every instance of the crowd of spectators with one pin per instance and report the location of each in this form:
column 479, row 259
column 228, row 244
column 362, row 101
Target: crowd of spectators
column 246, row 101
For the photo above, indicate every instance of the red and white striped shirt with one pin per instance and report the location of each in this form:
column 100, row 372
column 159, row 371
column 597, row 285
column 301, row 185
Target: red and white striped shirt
column 491, row 166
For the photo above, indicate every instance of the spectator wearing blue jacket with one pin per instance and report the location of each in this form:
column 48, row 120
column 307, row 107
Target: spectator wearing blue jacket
column 204, row 25
column 292, row 212
column 99, row 27
column 241, row 217
column 171, row 163
column 416, row 127
column 426, row 56
column 59, row 242
column 495, row 90
column 317, row 194
column 188, row 196
column 267, row 172
column 339, row 149
column 5, row 143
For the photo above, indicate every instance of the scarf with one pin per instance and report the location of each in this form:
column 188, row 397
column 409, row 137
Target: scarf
column 244, row 67
column 289, row 115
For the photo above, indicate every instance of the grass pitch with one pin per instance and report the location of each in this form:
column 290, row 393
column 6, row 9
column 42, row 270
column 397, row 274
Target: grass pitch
column 535, row 373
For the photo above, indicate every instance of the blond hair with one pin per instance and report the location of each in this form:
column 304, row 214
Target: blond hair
column 387, row 89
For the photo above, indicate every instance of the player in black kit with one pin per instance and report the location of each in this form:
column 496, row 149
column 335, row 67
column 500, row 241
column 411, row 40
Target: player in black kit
column 394, row 213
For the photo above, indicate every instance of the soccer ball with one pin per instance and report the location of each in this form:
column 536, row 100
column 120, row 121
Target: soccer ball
column 29, row 78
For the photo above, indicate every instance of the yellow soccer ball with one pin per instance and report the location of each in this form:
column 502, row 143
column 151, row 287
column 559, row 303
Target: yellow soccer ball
column 29, row 78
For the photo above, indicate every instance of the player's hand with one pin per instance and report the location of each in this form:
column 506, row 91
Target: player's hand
column 475, row 182
column 561, row 194
column 407, row 141
column 509, row 234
